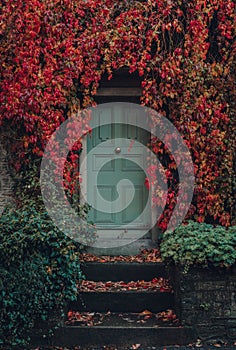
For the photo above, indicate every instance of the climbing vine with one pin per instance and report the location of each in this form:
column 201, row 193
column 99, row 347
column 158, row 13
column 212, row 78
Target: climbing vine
column 53, row 54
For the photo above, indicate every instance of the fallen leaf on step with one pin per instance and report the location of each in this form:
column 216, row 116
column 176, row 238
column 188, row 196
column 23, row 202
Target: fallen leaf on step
column 146, row 255
column 147, row 317
column 141, row 321
column 128, row 319
column 161, row 284
column 198, row 343
column 135, row 346
column 70, row 314
column 146, row 312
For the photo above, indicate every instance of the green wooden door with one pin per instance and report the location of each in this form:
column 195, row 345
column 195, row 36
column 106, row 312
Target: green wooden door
column 115, row 171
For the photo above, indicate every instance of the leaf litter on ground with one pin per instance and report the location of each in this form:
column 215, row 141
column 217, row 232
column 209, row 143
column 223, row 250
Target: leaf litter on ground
column 146, row 255
column 146, row 317
column 156, row 284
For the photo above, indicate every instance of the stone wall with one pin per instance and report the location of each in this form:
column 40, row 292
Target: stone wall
column 206, row 300
column 5, row 179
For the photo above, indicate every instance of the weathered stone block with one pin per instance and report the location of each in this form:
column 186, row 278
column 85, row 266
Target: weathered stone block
column 231, row 332
column 207, row 332
column 206, row 300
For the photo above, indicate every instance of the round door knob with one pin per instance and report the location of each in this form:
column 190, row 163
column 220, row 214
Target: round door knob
column 118, row 150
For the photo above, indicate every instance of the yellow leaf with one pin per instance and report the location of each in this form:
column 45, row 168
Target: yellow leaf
column 146, row 312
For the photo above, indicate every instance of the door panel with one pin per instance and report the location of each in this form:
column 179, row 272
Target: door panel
column 117, row 178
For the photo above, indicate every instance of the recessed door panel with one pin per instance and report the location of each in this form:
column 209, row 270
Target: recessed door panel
column 116, row 171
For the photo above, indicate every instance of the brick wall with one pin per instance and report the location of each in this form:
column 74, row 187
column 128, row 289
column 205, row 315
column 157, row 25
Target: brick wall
column 5, row 179
column 206, row 300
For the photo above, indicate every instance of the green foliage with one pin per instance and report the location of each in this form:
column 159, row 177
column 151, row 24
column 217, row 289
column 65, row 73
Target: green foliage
column 38, row 274
column 200, row 244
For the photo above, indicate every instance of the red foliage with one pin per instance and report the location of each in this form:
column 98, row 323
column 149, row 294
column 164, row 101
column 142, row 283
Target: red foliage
column 184, row 52
column 159, row 284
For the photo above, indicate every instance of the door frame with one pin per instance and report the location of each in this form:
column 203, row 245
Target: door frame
column 154, row 231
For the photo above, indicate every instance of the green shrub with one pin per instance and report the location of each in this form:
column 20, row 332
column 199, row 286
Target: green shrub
column 200, row 244
column 38, row 274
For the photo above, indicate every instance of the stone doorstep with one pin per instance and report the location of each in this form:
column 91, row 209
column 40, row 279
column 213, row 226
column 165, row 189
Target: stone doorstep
column 133, row 248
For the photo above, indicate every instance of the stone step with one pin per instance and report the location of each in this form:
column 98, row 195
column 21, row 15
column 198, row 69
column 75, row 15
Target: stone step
column 124, row 319
column 121, row 318
column 127, row 301
column 122, row 271
column 123, row 248
column 122, row 336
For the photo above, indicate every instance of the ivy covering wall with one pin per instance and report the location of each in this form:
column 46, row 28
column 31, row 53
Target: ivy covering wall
column 53, row 54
